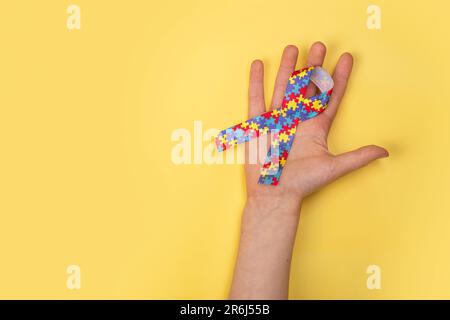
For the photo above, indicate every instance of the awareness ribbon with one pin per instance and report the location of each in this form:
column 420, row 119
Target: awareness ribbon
column 282, row 122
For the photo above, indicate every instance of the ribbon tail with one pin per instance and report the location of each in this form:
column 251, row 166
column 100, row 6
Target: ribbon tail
column 247, row 130
column 277, row 157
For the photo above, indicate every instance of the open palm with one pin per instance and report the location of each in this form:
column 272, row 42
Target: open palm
column 310, row 164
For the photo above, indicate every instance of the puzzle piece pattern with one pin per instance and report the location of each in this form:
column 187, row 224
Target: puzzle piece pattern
column 281, row 122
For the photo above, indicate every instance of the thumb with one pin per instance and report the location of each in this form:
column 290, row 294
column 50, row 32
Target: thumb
column 352, row 160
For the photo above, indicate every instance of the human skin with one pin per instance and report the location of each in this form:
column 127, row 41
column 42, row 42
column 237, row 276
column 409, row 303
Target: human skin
column 271, row 214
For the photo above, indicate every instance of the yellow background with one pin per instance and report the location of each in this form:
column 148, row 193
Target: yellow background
column 86, row 175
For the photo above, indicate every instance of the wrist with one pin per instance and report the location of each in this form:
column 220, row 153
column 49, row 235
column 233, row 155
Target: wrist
column 264, row 211
column 277, row 204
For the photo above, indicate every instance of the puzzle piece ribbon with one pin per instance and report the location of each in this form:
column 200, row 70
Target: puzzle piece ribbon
column 282, row 122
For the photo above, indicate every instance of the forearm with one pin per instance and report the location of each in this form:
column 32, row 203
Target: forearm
column 267, row 238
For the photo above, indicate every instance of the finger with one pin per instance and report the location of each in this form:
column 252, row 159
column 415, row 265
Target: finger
column 316, row 56
column 353, row 160
column 287, row 66
column 256, row 102
column 340, row 77
column 256, row 106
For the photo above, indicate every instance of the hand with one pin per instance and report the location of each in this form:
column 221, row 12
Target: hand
column 310, row 164
column 271, row 214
